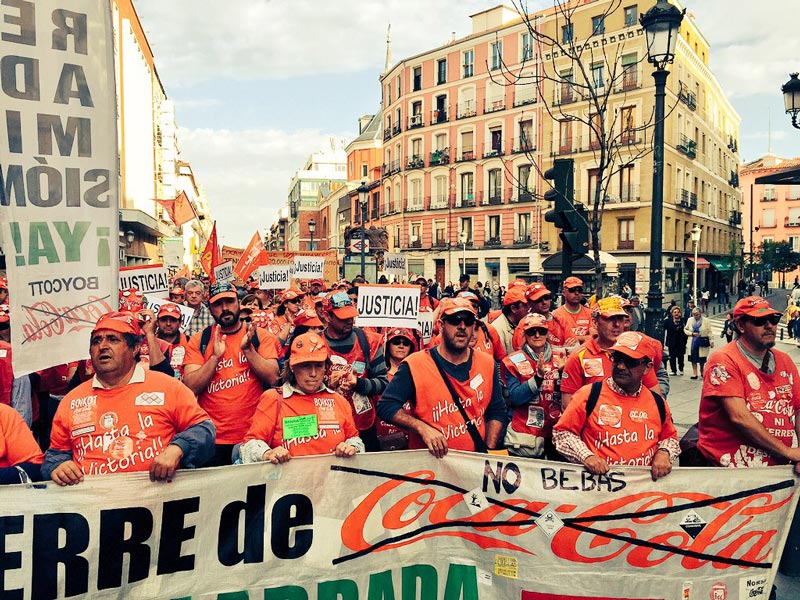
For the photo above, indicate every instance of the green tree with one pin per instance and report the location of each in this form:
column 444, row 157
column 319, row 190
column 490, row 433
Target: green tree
column 778, row 257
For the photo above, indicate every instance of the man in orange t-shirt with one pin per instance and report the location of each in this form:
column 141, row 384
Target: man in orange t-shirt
column 574, row 319
column 126, row 418
column 20, row 456
column 229, row 372
column 625, row 424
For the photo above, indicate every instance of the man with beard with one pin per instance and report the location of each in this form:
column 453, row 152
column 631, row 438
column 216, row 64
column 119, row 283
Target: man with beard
column 168, row 330
column 750, row 395
column 227, row 366
column 454, row 393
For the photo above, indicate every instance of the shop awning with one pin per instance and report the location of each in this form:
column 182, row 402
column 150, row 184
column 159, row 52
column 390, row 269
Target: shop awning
column 702, row 263
column 722, row 264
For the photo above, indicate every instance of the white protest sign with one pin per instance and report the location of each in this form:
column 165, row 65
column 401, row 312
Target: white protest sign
column 388, row 306
column 274, row 277
column 148, row 279
column 187, row 313
column 224, row 272
column 395, row 264
column 309, row 267
column 59, row 219
column 425, row 326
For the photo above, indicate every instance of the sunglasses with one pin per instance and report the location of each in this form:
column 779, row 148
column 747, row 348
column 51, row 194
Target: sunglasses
column 761, row 321
column 575, row 290
column 534, row 331
column 245, row 319
column 517, row 305
column 628, row 361
column 544, row 298
column 294, row 301
column 399, row 341
column 467, row 319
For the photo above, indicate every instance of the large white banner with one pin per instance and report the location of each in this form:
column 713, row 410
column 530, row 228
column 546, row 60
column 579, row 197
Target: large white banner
column 58, row 175
column 148, row 279
column 400, row 525
column 388, row 306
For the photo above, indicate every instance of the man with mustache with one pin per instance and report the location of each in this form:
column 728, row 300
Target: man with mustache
column 454, row 392
column 227, row 366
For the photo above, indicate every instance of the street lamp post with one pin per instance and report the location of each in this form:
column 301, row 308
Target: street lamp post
column 791, row 98
column 363, row 198
column 312, row 226
column 462, row 237
column 696, row 231
column 661, row 24
column 741, row 275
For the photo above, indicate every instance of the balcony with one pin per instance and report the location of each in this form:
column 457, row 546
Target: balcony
column 523, row 195
column 628, row 82
column 624, row 244
column 493, row 242
column 396, row 129
column 524, row 240
column 466, row 154
column 387, row 134
column 523, row 145
column 733, row 181
column 564, row 95
column 788, row 223
column 415, row 121
column 466, row 109
column 494, row 198
column 769, row 199
column 732, row 145
column 438, row 116
column 494, row 150
column 525, row 95
column 415, row 205
column 736, row 218
column 415, row 244
column 440, row 201
column 688, row 146
column 469, row 200
column 566, row 147
column 687, row 199
column 440, row 243
column 688, row 98
column 630, row 137
column 494, row 104
column 629, row 193
column 416, row 161
column 439, row 157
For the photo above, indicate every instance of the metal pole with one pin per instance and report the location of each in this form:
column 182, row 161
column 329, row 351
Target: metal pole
column 312, row 242
column 363, row 240
column 752, row 227
column 655, row 297
column 464, row 259
column 694, row 288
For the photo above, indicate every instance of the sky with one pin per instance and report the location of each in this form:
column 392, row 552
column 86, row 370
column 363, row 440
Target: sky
column 259, row 85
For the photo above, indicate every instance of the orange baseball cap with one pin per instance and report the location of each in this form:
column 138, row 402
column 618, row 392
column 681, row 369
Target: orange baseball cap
column 451, row 306
column 536, row 290
column 169, row 310
column 308, row 318
column 513, row 295
column 534, row 320
column 403, row 332
column 633, row 344
column 468, row 296
column 121, row 321
column 308, row 347
column 291, row 294
column 572, row 282
column 753, row 306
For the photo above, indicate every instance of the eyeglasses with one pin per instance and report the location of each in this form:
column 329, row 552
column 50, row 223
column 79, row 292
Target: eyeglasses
column 575, row 290
column 467, row 319
column 761, row 321
column 294, row 301
column 400, row 341
column 534, row 331
column 543, row 298
column 628, row 361
column 245, row 319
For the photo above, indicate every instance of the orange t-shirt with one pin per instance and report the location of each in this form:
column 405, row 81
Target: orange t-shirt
column 622, row 430
column 16, row 440
column 275, row 413
column 123, row 429
column 573, row 325
column 590, row 363
column 232, row 394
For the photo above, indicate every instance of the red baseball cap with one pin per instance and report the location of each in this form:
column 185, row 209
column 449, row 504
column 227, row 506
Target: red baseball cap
column 514, row 294
column 753, row 306
column 536, row 290
column 169, row 310
column 307, row 318
column 3, row 283
column 633, row 344
column 308, row 347
column 402, row 332
column 121, row 321
column 318, row 282
column 570, row 282
column 451, row 306
column 341, row 305
column 291, row 294
column 533, row 320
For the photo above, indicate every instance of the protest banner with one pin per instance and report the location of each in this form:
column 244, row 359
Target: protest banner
column 330, row 270
column 395, row 264
column 275, row 277
column 58, row 176
column 388, row 306
column 148, row 279
column 400, row 525
column 425, row 326
column 187, row 312
column 223, row 272
column 309, row 267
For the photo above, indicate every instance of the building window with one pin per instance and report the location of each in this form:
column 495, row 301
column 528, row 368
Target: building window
column 598, row 80
column 441, row 71
column 493, row 233
column 625, row 239
column 595, row 130
column 565, row 136
column 388, row 94
column 523, row 228
column 593, row 175
column 397, row 236
column 794, row 216
column 469, row 58
column 441, row 141
column 495, row 186
column 465, row 226
column 417, row 79
column 525, row 142
column 769, row 192
column 599, row 25
column 768, row 218
column 630, row 79
column 397, row 85
column 628, row 124
column 631, row 15
column 496, row 134
column 467, row 189
column 794, row 242
column 527, row 47
column 415, row 235
column 628, row 190
column 497, row 55
column 467, row 148
column 566, row 33
column 364, row 170
column 440, row 233
column 523, row 176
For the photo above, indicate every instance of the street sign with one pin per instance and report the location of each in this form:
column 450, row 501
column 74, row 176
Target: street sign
column 355, row 246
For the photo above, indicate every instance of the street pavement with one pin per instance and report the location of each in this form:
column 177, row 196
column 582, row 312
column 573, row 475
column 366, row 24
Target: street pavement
column 684, row 402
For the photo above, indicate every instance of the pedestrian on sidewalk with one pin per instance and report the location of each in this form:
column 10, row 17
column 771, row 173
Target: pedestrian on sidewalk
column 728, row 329
column 699, row 329
column 675, row 339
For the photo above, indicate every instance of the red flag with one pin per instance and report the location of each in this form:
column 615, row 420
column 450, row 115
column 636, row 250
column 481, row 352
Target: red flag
column 184, row 272
column 180, row 210
column 253, row 257
column 210, row 257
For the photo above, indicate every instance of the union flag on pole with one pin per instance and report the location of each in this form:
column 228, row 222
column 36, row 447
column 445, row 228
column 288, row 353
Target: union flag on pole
column 253, row 257
column 179, row 210
column 210, row 257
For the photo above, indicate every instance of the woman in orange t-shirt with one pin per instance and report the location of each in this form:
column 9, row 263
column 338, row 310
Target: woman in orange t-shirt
column 303, row 417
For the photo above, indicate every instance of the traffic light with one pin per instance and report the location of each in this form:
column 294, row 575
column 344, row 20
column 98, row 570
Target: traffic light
column 575, row 235
column 561, row 193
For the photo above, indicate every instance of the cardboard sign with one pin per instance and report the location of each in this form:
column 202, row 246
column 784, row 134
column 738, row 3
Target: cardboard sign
column 309, row 267
column 395, row 264
column 425, row 326
column 274, row 277
column 224, row 272
column 187, row 313
column 388, row 306
column 148, row 279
